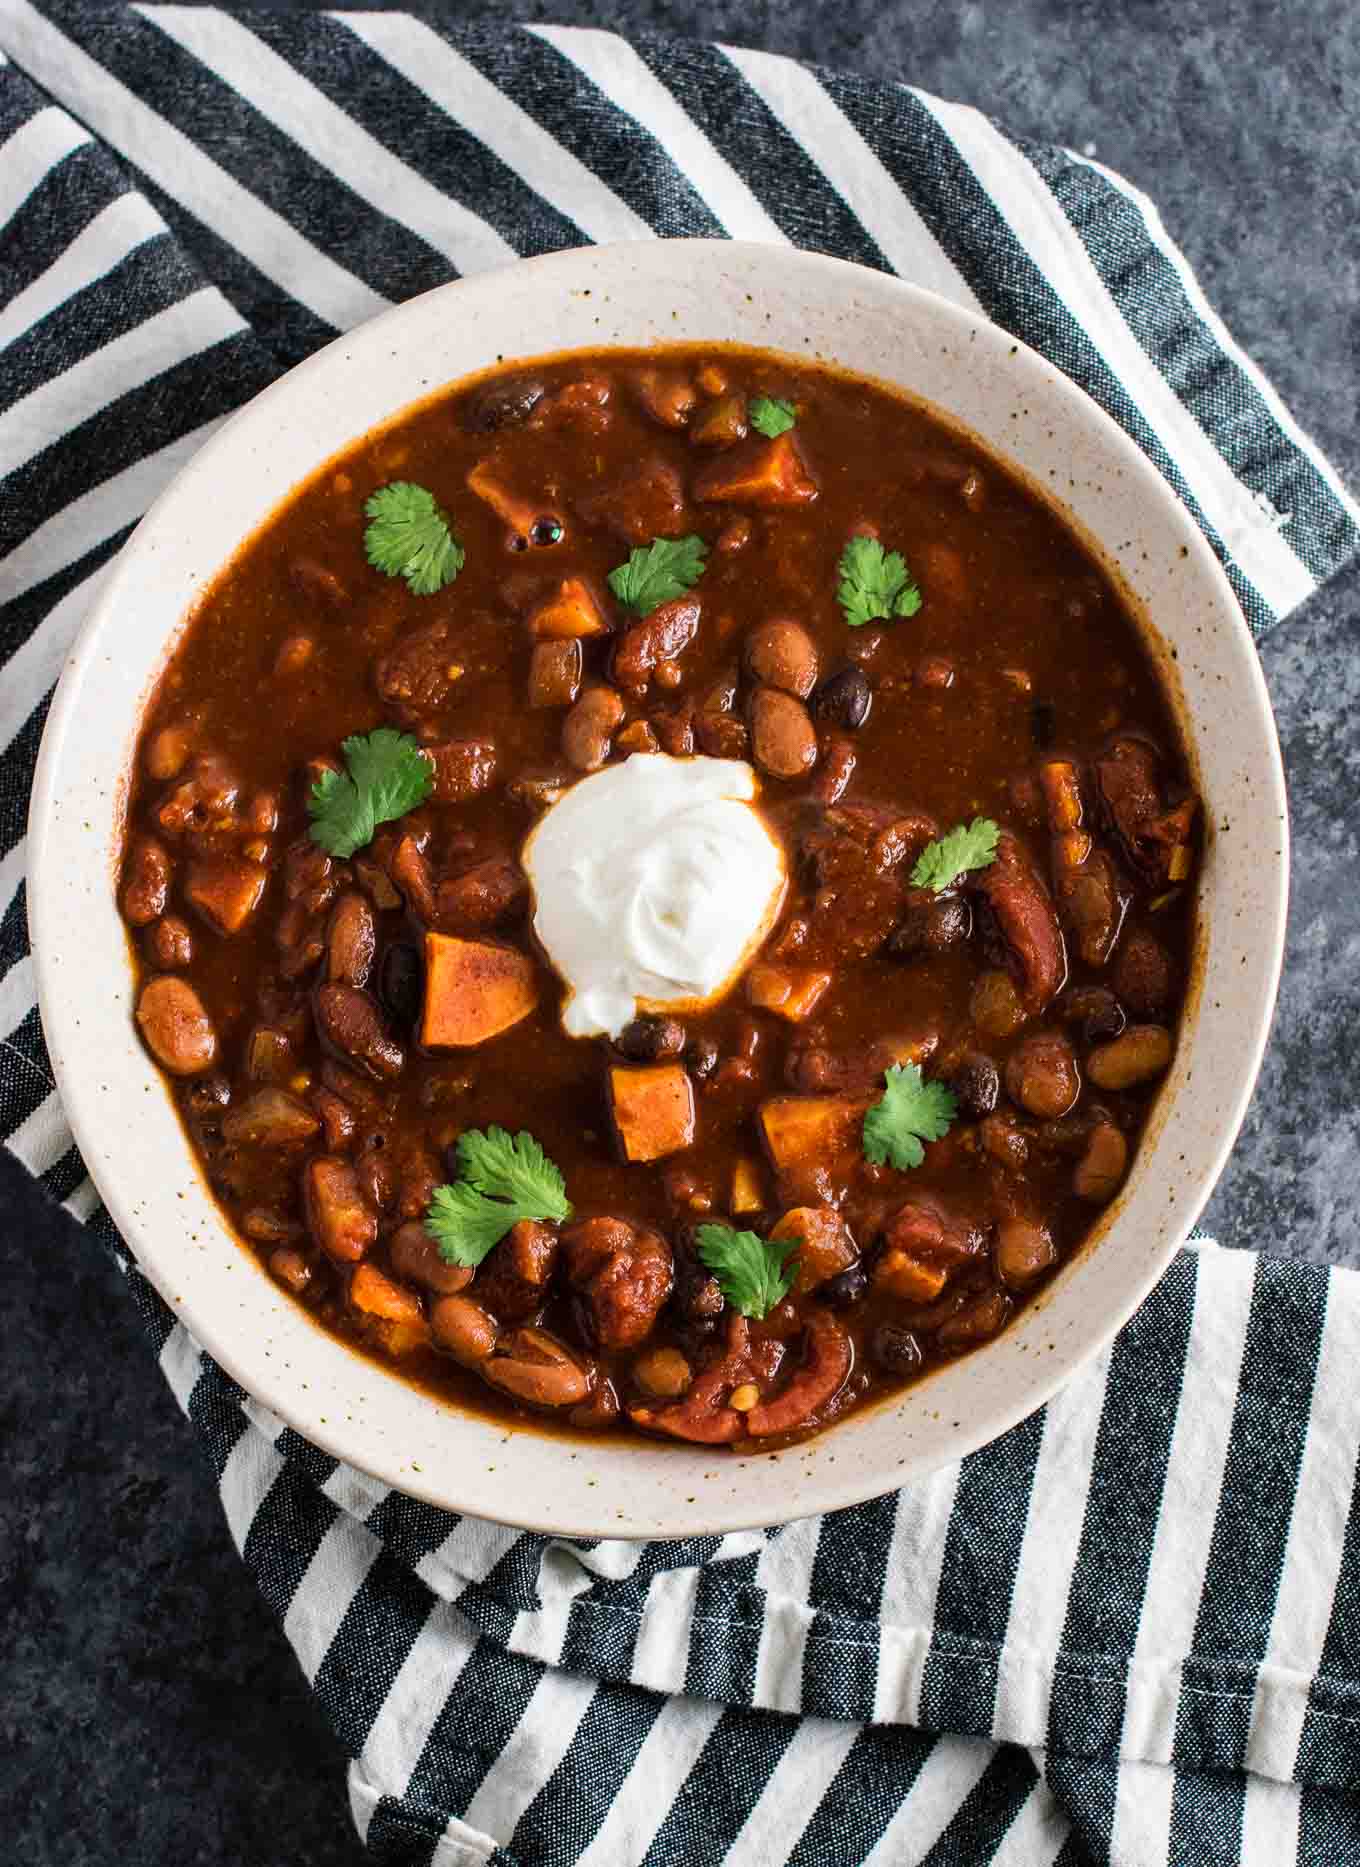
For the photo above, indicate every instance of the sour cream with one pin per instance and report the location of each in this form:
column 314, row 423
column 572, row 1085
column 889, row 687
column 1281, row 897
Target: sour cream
column 654, row 882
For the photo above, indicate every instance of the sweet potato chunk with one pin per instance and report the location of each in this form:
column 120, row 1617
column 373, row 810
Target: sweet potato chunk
column 377, row 1295
column 653, row 1109
column 226, row 893
column 759, row 473
column 554, row 673
column 797, row 1129
column 748, row 1186
column 825, row 1247
column 474, row 990
column 791, row 993
column 570, row 613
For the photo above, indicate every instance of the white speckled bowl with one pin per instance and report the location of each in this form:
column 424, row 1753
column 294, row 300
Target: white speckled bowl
column 1016, row 403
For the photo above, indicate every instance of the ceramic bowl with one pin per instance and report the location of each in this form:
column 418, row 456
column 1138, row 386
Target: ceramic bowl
column 1016, row 404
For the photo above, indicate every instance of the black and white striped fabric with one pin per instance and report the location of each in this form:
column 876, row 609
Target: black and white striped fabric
column 1128, row 1631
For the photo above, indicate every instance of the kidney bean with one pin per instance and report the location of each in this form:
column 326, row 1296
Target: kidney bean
column 1141, row 1053
column 417, row 1257
column 350, row 1022
column 463, row 1329
column 780, row 653
column 1022, row 1251
column 782, row 737
column 1041, row 1075
column 146, row 882
column 589, row 727
column 170, row 943
column 1102, row 1166
column 176, row 1026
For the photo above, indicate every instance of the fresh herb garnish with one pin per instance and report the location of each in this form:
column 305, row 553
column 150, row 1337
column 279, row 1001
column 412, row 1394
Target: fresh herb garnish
column 967, row 846
column 659, row 572
column 408, row 535
column 503, row 1178
column 874, row 583
column 388, row 775
column 772, row 415
column 753, row 1273
column 910, row 1111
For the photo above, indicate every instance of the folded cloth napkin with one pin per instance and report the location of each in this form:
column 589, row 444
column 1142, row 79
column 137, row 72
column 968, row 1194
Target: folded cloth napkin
column 1129, row 1630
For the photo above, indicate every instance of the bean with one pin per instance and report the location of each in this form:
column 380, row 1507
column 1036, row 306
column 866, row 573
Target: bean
column 1102, row 1166
column 537, row 1369
column 782, row 654
column 976, row 1084
column 896, row 1350
column 506, row 402
column 401, row 983
column 463, row 1329
column 167, row 753
column 975, row 1321
column 350, row 941
column 417, row 1257
column 782, row 736
column 844, row 699
column 701, row 1055
column 1022, row 1252
column 1041, row 1075
column 649, row 1039
column 170, row 943
column 1140, row 1054
column 663, row 1372
column 1143, row 975
column 1095, row 1009
column 291, row 1269
column 846, row 1290
column 177, row 1029
column 350, row 1022
column 146, row 882
column 930, row 926
column 589, row 726
column 996, row 1006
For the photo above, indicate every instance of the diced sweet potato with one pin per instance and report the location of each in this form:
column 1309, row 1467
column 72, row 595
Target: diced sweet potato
column 903, row 1274
column 474, row 990
column 377, row 1295
column 571, row 612
column 341, row 1221
column 653, row 1109
column 759, row 473
column 783, row 989
column 226, row 892
column 797, row 1129
column 748, row 1187
column 825, row 1247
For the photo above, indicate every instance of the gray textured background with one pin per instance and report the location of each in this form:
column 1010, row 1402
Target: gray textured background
column 151, row 1711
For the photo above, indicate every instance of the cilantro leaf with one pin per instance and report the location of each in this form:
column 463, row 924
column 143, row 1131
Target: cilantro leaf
column 874, row 583
column 409, row 535
column 658, row 572
column 388, row 775
column 772, row 415
column 967, row 846
column 503, row 1178
column 753, row 1273
column 910, row 1111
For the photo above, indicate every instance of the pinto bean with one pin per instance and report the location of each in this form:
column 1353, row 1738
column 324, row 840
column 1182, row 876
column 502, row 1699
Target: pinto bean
column 589, row 727
column 146, row 882
column 351, row 1023
column 1143, row 975
column 536, row 1368
column 291, row 1269
column 780, row 653
column 837, row 768
column 659, row 637
column 1021, row 1252
column 1042, row 1076
column 975, row 1322
column 351, row 941
column 463, row 1329
column 995, row 1007
column 417, row 1257
column 1102, row 1166
column 175, row 1026
column 1141, row 1053
column 783, row 740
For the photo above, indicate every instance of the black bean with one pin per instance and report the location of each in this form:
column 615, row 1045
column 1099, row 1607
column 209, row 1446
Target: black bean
column 505, row 402
column 1043, row 723
column 702, row 1057
column 205, row 1095
column 697, row 1294
column 847, row 1288
column 931, row 926
column 401, row 983
column 1095, row 1009
column 648, row 1039
column 844, row 699
column 896, row 1350
column 977, row 1086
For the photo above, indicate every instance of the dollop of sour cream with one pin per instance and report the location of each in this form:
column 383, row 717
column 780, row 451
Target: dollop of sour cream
column 654, row 881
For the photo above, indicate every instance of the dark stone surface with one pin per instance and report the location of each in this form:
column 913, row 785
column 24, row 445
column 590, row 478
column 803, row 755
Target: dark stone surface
column 151, row 1711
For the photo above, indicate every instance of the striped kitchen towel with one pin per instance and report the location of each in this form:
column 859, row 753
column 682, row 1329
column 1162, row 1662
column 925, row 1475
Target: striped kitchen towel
column 1126, row 1632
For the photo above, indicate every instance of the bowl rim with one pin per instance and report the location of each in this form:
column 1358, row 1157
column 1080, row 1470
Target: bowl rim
column 50, row 900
